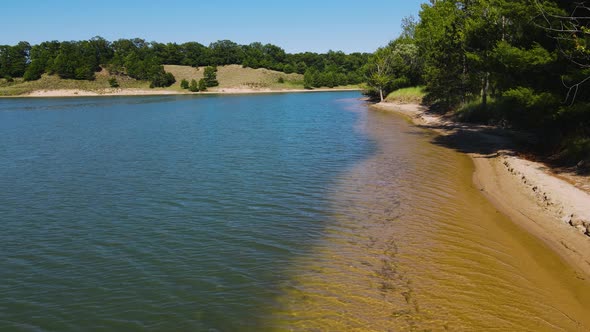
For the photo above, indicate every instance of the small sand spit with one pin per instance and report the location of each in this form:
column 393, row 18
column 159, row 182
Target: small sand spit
column 549, row 207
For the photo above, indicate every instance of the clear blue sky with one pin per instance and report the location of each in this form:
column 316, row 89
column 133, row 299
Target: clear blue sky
column 296, row 25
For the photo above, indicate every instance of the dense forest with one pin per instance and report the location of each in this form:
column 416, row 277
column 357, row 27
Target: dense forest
column 522, row 64
column 143, row 60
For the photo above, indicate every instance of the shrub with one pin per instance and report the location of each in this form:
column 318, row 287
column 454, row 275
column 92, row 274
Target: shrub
column 573, row 150
column 162, row 79
column 475, row 112
column 202, row 85
column 289, row 68
column 184, row 84
column 210, row 76
column 281, row 80
column 525, row 108
column 113, row 82
column 194, row 86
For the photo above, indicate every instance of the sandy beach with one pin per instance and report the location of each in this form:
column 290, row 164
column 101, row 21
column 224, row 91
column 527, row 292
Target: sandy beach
column 552, row 207
column 155, row 92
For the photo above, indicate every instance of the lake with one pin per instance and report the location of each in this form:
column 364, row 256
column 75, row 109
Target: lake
column 302, row 212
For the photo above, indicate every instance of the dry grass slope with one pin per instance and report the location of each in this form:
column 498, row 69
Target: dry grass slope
column 411, row 95
column 53, row 82
column 235, row 76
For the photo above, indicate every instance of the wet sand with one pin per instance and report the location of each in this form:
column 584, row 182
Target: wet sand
column 526, row 191
column 413, row 244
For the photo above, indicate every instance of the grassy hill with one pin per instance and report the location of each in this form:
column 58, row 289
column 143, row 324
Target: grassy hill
column 231, row 76
column 407, row 95
column 235, row 76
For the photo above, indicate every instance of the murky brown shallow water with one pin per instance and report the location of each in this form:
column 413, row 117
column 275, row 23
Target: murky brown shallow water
column 414, row 246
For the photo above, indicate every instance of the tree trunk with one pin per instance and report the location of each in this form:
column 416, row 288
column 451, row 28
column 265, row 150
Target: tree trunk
column 463, row 79
column 484, row 90
column 503, row 27
column 381, row 94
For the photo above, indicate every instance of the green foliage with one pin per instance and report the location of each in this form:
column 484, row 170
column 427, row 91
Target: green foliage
column 143, row 60
column 202, row 85
column 184, row 84
column 529, row 109
column 113, row 82
column 210, row 76
column 75, row 60
column 497, row 61
column 162, row 79
column 475, row 112
column 520, row 107
column 313, row 78
column 575, row 149
column 84, row 72
column 34, row 71
column 441, row 41
column 280, row 80
column 194, row 86
column 225, row 52
column 394, row 67
column 13, row 59
column 309, row 78
column 379, row 71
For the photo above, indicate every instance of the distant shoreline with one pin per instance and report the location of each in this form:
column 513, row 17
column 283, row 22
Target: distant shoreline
column 61, row 93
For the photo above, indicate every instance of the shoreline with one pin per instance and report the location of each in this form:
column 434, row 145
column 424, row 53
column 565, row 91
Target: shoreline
column 543, row 204
column 62, row 93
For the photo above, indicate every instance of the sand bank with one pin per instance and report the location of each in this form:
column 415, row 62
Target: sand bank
column 148, row 92
column 105, row 92
column 553, row 208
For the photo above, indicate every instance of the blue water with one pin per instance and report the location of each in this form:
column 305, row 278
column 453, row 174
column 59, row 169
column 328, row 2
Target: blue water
column 164, row 213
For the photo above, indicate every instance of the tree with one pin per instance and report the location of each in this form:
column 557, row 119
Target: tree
column 210, row 76
column 194, row 86
column 162, row 79
column 571, row 31
column 483, row 30
column 441, row 42
column 310, row 78
column 84, row 72
column 378, row 70
column 225, row 52
column 409, row 24
column 13, row 59
column 101, row 49
column 184, row 84
column 202, row 85
column 143, row 60
column 34, row 71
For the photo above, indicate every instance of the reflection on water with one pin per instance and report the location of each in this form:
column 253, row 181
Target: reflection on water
column 411, row 245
